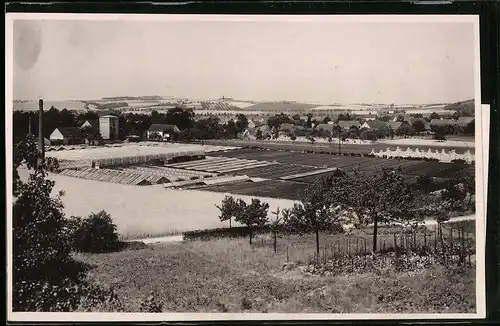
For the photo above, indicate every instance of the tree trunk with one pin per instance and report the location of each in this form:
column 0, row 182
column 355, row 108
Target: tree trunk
column 229, row 222
column 317, row 243
column 375, row 228
column 275, row 241
column 250, row 236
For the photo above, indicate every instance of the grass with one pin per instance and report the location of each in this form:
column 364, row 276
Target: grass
column 231, row 276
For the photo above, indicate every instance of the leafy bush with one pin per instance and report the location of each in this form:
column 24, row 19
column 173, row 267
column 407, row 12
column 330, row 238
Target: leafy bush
column 151, row 304
column 95, row 234
column 458, row 161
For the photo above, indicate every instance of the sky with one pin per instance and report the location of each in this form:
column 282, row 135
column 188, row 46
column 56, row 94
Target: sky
column 321, row 62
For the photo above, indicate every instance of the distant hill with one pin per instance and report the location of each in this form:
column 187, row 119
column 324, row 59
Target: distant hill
column 464, row 108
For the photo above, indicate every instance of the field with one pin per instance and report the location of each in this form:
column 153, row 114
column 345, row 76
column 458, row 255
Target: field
column 145, row 211
column 348, row 163
column 346, row 148
column 230, row 276
column 31, row 106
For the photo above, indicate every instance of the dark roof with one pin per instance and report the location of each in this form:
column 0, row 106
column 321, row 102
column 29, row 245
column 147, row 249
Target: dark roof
column 348, row 123
column 464, row 121
column 93, row 123
column 395, row 125
column 70, row 132
column 325, row 126
column 287, row 126
column 443, row 122
column 162, row 127
column 376, row 124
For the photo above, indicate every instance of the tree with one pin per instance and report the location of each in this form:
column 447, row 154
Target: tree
column 45, row 276
column 182, row 118
column 456, row 115
column 405, row 130
column 434, row 115
column 470, row 129
column 296, row 117
column 275, row 226
column 253, row 215
column 439, row 134
column 418, row 125
column 327, row 119
column 241, row 122
column 228, row 210
column 459, row 192
column 425, row 181
column 400, row 118
column 309, row 120
column 230, row 129
column 383, row 197
column 258, row 134
column 319, row 208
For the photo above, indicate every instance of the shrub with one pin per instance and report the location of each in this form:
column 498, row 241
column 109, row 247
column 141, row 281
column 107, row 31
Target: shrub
column 151, row 304
column 95, row 234
column 194, row 177
column 458, row 161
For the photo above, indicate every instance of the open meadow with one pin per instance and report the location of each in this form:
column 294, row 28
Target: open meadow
column 229, row 275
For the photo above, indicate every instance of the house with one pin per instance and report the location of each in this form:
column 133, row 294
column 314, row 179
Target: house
column 45, row 141
column 442, row 122
column 161, row 131
column 465, row 121
column 374, row 125
column 251, row 124
column 108, row 127
column 90, row 124
column 287, row 127
column 367, row 117
column 347, row 124
column 67, row 136
column 427, row 126
column 326, row 127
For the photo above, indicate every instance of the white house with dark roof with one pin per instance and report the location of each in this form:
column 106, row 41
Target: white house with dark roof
column 162, row 131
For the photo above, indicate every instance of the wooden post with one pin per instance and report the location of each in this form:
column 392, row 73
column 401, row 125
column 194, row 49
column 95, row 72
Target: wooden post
column 348, row 248
column 287, row 254
column 425, row 238
column 451, row 239
column 462, row 245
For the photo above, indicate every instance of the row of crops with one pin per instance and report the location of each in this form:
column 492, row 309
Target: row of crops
column 220, row 164
column 115, row 176
column 268, row 188
column 170, row 173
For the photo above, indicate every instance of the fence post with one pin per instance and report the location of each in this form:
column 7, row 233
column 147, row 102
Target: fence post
column 435, row 239
column 425, row 238
column 451, row 240
column 287, row 254
column 414, row 239
column 462, row 245
column 348, row 248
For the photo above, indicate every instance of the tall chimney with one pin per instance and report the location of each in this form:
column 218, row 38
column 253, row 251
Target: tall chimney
column 40, row 131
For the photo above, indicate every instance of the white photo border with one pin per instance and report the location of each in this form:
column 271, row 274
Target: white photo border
column 481, row 139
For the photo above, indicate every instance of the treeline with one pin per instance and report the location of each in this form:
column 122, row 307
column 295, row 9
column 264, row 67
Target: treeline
column 131, row 123
column 341, row 201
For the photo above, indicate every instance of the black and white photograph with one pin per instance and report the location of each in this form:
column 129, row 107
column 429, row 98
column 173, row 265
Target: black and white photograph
column 214, row 167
